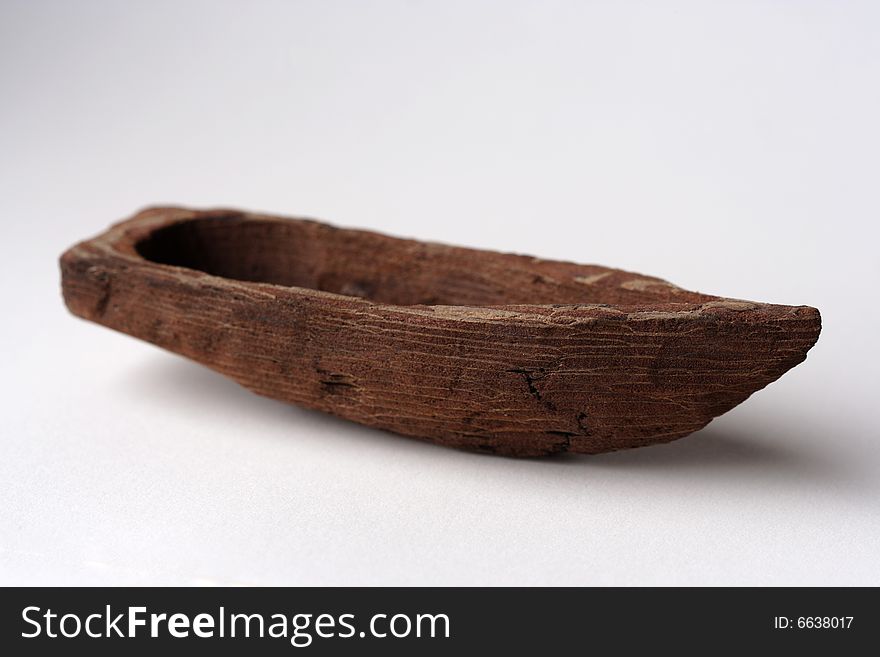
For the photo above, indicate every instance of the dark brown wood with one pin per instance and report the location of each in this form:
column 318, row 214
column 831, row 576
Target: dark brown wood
column 494, row 352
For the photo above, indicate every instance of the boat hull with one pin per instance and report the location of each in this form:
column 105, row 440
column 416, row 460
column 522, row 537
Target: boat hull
column 605, row 360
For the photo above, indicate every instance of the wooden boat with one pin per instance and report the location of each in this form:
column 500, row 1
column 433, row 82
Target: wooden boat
column 486, row 351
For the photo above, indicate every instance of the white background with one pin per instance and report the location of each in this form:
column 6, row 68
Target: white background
column 730, row 147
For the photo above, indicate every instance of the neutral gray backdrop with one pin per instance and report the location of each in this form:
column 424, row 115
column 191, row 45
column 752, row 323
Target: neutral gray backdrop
column 730, row 147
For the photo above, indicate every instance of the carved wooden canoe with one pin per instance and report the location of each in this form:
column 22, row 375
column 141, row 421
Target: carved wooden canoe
column 486, row 351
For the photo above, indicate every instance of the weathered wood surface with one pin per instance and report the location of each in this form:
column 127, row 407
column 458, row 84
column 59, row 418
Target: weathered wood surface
column 493, row 352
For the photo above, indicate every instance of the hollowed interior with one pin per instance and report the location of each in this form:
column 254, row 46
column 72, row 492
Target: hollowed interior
column 381, row 268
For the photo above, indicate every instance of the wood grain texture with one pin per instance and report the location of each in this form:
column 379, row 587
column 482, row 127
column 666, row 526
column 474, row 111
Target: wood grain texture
column 485, row 351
